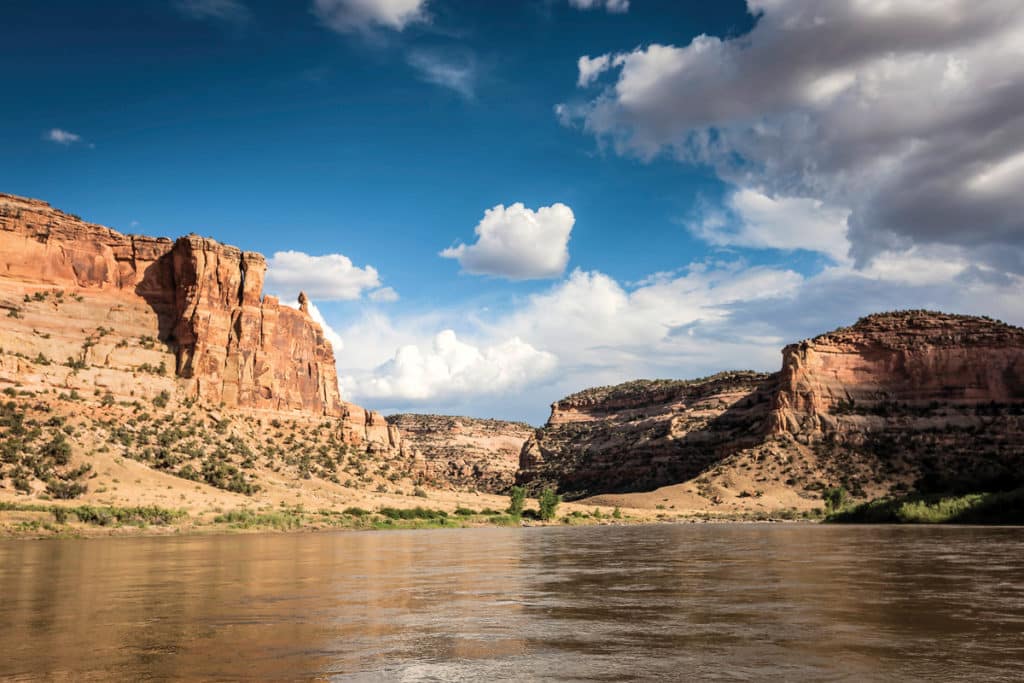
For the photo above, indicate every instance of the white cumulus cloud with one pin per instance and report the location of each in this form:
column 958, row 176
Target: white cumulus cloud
column 909, row 115
column 331, row 277
column 450, row 366
column 754, row 219
column 61, row 137
column 518, row 243
column 348, row 16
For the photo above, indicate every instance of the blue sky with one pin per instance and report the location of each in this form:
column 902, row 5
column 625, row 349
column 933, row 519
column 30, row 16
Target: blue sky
column 735, row 176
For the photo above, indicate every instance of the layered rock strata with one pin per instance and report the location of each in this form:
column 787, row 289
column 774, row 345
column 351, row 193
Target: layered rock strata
column 932, row 398
column 905, row 400
column 85, row 307
column 646, row 433
column 464, row 452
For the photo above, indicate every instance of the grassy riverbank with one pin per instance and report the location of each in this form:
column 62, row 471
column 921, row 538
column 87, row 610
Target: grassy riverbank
column 1006, row 507
column 32, row 520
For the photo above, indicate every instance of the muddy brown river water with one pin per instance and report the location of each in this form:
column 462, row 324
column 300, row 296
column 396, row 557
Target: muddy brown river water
column 657, row 602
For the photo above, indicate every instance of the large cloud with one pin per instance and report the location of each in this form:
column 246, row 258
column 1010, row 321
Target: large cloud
column 518, row 243
column 704, row 318
column 908, row 114
column 450, row 366
column 347, row 16
column 331, row 277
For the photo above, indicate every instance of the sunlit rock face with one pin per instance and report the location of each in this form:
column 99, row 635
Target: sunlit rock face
column 898, row 401
column 137, row 315
column 464, row 452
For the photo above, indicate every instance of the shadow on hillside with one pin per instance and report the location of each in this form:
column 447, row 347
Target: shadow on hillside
column 643, row 458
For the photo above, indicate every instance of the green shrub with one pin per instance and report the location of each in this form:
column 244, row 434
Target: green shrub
column 549, row 501
column 412, row 513
column 65, row 490
column 107, row 516
column 1005, row 507
column 517, row 497
column 245, row 519
column 834, row 498
column 355, row 512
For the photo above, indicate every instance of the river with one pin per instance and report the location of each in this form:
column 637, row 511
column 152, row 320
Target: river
column 700, row 601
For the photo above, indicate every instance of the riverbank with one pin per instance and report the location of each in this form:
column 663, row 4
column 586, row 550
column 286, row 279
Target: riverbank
column 1002, row 507
column 33, row 520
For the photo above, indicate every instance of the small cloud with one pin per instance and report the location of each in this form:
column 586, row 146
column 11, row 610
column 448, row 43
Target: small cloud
column 331, row 277
column 518, row 243
column 455, row 74
column 350, row 16
column 229, row 11
column 384, row 295
column 592, row 67
column 612, row 6
column 62, row 137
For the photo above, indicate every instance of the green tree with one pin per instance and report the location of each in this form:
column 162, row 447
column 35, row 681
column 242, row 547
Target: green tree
column 834, row 498
column 517, row 497
column 549, row 501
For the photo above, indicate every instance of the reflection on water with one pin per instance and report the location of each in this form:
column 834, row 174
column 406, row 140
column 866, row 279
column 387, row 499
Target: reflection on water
column 719, row 601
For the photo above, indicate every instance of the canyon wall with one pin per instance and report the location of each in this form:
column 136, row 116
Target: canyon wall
column 898, row 401
column 644, row 434
column 85, row 307
column 931, row 400
column 464, row 452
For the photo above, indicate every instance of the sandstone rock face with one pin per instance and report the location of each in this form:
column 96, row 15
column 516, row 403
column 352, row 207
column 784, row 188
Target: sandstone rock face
column 464, row 452
column 907, row 400
column 935, row 396
column 913, row 358
column 85, row 307
column 645, row 434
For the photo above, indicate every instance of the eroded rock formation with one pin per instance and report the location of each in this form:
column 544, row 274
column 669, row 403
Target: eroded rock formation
column 464, row 452
column 86, row 307
column 932, row 400
column 906, row 400
column 645, row 434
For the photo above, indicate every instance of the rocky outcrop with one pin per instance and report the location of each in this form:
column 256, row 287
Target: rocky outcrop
column 906, row 400
column 645, row 434
column 464, row 452
column 914, row 359
column 85, row 307
column 933, row 399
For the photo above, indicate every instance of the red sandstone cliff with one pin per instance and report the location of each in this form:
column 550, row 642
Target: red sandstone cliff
column 910, row 358
column 123, row 307
column 911, row 399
